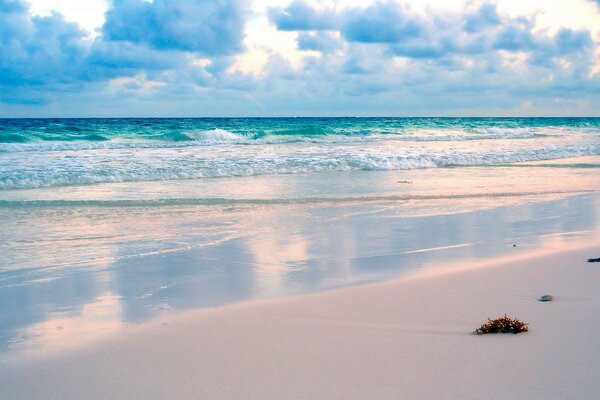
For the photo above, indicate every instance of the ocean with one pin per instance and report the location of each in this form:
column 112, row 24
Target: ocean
column 108, row 223
column 57, row 152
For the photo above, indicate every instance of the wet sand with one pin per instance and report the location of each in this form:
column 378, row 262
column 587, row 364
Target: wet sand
column 406, row 338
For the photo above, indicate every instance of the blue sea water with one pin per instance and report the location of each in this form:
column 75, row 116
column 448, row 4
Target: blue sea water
column 57, row 152
column 111, row 222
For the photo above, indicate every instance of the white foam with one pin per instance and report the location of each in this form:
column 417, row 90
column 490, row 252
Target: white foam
column 216, row 136
column 20, row 170
column 221, row 153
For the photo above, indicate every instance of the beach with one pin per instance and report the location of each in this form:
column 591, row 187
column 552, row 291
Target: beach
column 298, row 258
column 299, row 199
column 407, row 338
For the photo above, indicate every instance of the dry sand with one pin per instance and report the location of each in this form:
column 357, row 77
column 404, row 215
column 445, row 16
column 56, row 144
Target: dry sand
column 406, row 339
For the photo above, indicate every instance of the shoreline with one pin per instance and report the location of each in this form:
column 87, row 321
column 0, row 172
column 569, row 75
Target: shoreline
column 408, row 338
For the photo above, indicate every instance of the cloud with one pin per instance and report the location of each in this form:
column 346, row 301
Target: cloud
column 324, row 42
column 483, row 18
column 300, row 16
column 12, row 6
column 516, row 37
column 577, row 45
column 183, row 57
column 475, row 58
column 570, row 41
column 42, row 54
column 209, row 27
column 38, row 50
column 354, row 66
column 380, row 23
column 108, row 59
column 407, row 33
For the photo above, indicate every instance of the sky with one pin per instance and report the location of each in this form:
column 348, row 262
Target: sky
column 99, row 58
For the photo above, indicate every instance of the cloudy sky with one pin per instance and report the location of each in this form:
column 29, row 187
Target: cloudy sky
column 301, row 57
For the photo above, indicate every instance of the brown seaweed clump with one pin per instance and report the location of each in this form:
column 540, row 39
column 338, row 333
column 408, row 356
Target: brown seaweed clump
column 502, row 325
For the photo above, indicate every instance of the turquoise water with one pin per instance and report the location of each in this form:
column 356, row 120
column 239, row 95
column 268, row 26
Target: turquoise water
column 58, row 152
column 153, row 131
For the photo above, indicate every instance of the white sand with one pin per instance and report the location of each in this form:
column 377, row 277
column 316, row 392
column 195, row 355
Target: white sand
column 407, row 339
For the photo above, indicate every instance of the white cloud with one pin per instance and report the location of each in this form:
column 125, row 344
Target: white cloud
column 89, row 14
column 438, row 61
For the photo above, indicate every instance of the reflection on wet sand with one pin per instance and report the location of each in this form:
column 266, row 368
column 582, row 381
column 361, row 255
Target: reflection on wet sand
column 86, row 271
column 95, row 320
column 269, row 258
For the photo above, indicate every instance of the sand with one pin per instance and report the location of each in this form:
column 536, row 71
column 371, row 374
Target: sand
column 404, row 339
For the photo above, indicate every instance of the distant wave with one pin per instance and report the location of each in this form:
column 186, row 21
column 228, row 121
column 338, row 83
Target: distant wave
column 11, row 142
column 8, row 137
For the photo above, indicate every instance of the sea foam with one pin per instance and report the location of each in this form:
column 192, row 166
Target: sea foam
column 46, row 153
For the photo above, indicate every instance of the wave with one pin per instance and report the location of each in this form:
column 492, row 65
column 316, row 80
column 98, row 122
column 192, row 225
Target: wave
column 554, row 165
column 518, row 132
column 127, row 167
column 12, row 142
column 215, row 136
column 221, row 201
column 6, row 137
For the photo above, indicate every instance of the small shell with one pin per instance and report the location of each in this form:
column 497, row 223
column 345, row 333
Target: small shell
column 546, row 297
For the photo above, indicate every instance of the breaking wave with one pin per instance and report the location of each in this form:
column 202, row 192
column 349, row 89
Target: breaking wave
column 123, row 166
column 61, row 152
column 35, row 142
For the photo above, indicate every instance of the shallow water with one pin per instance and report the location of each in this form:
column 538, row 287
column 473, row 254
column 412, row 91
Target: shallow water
column 74, row 274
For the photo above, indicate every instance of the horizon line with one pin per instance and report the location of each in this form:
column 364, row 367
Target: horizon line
column 307, row 117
